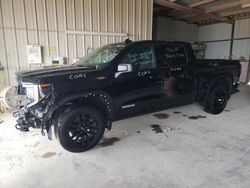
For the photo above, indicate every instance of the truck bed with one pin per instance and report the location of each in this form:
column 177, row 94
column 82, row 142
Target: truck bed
column 217, row 66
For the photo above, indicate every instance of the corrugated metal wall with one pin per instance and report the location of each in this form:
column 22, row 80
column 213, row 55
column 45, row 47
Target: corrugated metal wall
column 68, row 28
column 222, row 31
column 167, row 29
column 242, row 47
column 219, row 49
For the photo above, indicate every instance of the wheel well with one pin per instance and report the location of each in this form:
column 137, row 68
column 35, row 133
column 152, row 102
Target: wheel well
column 99, row 101
column 93, row 102
column 226, row 80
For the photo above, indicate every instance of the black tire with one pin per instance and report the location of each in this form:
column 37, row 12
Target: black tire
column 217, row 99
column 80, row 129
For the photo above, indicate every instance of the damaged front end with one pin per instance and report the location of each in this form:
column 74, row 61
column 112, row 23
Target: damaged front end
column 36, row 111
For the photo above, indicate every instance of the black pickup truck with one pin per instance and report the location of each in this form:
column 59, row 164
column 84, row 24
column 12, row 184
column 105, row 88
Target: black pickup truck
column 117, row 81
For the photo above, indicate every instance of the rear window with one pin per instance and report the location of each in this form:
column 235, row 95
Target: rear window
column 169, row 55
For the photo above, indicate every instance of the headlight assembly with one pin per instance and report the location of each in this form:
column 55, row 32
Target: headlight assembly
column 45, row 89
column 31, row 92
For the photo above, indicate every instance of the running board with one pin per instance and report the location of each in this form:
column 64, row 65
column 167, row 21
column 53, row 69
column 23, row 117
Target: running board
column 235, row 91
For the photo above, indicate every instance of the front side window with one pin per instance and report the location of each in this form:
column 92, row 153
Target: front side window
column 169, row 55
column 141, row 58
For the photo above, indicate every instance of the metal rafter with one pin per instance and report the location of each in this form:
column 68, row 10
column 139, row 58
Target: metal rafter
column 224, row 6
column 234, row 12
column 199, row 3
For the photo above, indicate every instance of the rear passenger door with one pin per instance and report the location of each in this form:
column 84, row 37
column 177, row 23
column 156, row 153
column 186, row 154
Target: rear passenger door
column 175, row 70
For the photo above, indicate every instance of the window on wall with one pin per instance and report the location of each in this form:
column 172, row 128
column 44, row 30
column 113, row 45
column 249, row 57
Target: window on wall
column 170, row 55
column 142, row 58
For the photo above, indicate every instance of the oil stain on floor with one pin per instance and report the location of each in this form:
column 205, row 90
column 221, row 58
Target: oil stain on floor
column 161, row 116
column 157, row 128
column 48, row 155
column 177, row 112
column 109, row 141
column 197, row 117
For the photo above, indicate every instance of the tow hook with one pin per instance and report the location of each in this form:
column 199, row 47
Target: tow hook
column 21, row 128
column 50, row 133
column 42, row 132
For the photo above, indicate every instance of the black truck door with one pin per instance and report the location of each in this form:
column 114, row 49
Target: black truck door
column 176, row 72
column 136, row 86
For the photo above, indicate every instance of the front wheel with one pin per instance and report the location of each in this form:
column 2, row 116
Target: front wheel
column 81, row 129
column 217, row 100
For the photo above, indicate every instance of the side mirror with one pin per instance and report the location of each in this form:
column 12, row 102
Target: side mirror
column 123, row 68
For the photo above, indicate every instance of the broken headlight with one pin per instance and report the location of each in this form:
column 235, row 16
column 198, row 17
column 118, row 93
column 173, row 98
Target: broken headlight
column 44, row 90
column 31, row 92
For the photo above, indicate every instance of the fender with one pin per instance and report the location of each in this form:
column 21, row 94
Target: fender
column 226, row 77
column 103, row 97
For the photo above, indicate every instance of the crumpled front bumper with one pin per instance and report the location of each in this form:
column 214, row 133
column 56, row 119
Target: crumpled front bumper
column 36, row 116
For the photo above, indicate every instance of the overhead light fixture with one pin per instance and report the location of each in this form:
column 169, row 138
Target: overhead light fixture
column 245, row 5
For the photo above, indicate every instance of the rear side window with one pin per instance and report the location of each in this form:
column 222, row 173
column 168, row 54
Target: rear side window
column 141, row 57
column 169, row 55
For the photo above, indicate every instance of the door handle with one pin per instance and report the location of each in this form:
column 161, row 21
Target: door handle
column 213, row 64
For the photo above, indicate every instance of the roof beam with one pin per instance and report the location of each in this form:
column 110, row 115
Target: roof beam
column 174, row 13
column 244, row 2
column 197, row 19
column 202, row 2
column 234, row 12
column 190, row 10
column 242, row 17
column 224, row 6
column 184, row 16
column 229, row 5
column 173, row 5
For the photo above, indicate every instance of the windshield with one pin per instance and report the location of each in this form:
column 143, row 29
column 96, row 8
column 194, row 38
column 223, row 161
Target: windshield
column 101, row 57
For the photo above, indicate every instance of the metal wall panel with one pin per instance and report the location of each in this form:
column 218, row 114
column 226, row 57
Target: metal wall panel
column 67, row 28
column 241, row 48
column 214, row 32
column 168, row 29
column 242, row 28
column 3, row 52
column 217, row 50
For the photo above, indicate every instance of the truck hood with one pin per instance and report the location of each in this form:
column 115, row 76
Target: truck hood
column 51, row 71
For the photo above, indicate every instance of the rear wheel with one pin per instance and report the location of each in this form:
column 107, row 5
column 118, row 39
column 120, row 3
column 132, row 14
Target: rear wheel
column 81, row 129
column 217, row 100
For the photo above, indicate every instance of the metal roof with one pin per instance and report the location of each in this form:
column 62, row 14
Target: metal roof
column 203, row 12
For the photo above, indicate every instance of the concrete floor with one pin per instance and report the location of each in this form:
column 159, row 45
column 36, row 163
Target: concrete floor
column 178, row 151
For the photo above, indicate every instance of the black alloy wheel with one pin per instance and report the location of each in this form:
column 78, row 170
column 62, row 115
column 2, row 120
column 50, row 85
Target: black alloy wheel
column 217, row 100
column 81, row 129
